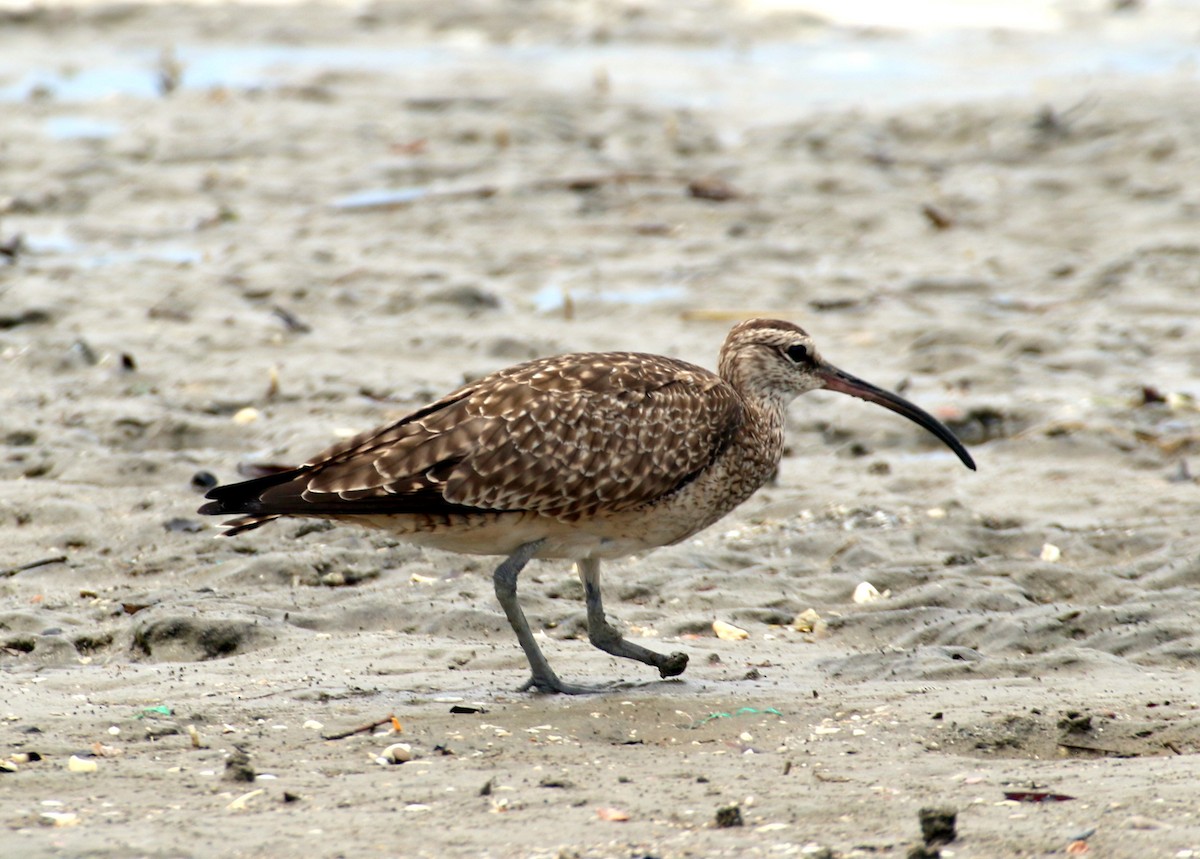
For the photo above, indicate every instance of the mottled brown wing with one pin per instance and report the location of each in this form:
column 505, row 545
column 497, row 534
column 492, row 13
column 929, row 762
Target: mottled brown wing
column 562, row 436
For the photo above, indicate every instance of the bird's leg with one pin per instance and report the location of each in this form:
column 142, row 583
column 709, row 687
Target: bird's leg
column 605, row 636
column 505, row 580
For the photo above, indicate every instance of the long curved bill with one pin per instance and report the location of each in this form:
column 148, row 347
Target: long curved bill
column 841, row 381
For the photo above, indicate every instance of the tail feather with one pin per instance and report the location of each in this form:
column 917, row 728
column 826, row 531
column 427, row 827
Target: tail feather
column 245, row 498
column 244, row 523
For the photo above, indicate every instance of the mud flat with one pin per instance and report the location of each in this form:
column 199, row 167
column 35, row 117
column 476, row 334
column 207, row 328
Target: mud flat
column 234, row 233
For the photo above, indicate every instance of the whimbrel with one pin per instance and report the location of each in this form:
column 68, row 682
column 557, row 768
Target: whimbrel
column 584, row 457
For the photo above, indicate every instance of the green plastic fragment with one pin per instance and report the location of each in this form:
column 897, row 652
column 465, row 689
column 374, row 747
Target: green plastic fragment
column 741, row 711
column 160, row 710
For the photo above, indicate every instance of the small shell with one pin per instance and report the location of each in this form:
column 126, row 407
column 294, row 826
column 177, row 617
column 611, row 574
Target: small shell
column 809, row 621
column 60, row 818
column 729, row 632
column 77, row 764
column 868, row 593
column 1050, row 553
column 613, row 814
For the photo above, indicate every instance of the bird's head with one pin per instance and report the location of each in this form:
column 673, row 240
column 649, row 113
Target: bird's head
column 776, row 361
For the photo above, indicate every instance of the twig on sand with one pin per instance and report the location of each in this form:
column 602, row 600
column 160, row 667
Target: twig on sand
column 386, row 201
column 362, row 729
column 32, row 565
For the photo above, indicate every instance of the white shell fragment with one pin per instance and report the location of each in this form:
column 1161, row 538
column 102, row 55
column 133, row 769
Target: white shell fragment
column 240, row 803
column 60, row 818
column 810, row 622
column 245, row 416
column 77, row 764
column 1050, row 553
column 868, row 593
column 729, row 632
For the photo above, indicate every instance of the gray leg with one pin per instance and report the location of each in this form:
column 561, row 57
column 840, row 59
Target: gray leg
column 505, row 580
column 603, row 635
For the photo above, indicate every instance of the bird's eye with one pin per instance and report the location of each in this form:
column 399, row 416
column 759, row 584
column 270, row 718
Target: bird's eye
column 799, row 353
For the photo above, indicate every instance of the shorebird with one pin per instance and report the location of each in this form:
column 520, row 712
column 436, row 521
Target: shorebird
column 585, row 457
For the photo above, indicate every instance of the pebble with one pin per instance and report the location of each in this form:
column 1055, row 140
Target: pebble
column 397, row 753
column 312, row 725
column 77, row 764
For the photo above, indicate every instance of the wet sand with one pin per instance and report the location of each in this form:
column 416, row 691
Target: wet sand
column 204, row 271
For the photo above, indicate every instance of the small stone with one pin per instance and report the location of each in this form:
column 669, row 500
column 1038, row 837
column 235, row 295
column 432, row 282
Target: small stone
column 398, row 753
column 202, row 481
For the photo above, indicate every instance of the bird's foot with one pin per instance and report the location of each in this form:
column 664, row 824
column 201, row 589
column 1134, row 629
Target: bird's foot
column 673, row 665
column 551, row 685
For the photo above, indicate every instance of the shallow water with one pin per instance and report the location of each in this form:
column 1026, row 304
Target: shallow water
column 779, row 80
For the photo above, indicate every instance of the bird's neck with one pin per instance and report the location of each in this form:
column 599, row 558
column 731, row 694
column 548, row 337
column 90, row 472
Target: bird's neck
column 758, row 446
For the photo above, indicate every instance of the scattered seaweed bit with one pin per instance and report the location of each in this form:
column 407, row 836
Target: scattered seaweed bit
column 1151, row 396
column 12, row 247
column 33, row 316
column 179, row 525
column 290, row 320
column 461, row 709
column 1075, row 722
column 983, row 424
column 938, row 218
column 1036, row 796
column 938, row 825
column 712, row 188
column 237, row 766
column 728, row 817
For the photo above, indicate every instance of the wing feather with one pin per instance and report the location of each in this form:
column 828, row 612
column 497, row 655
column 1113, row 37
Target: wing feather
column 561, row 436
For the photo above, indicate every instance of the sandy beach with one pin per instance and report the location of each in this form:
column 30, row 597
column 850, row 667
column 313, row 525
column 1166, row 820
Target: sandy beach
column 236, row 233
